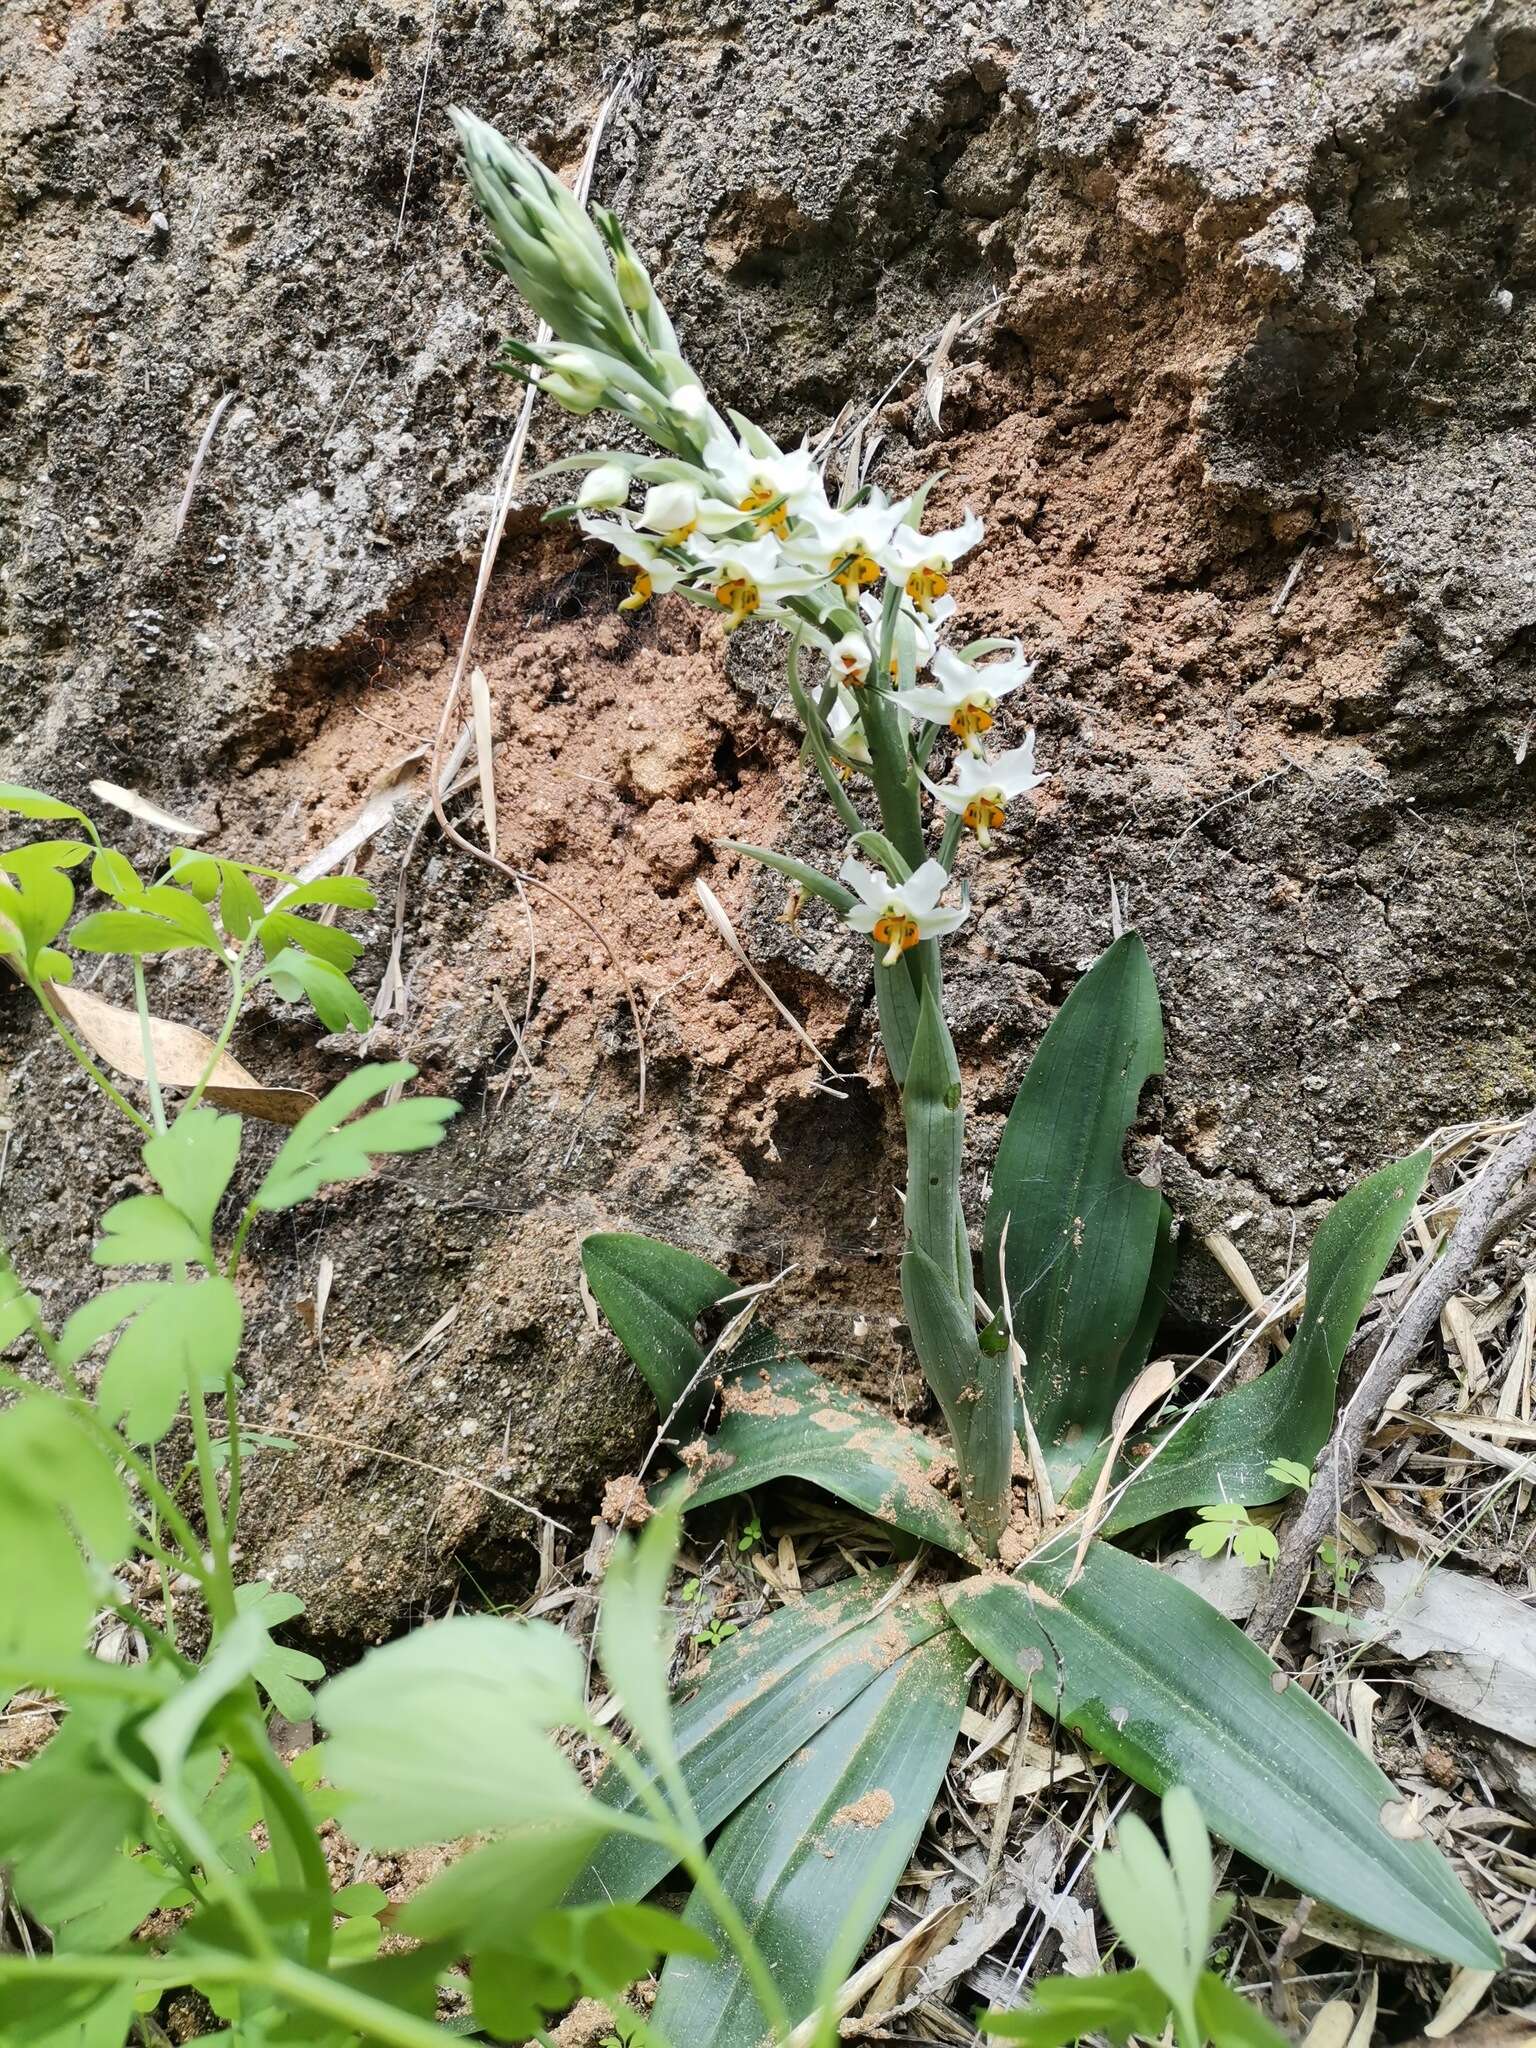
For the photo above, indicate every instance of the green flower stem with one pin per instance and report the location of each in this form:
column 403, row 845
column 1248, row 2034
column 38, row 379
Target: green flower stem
column 113, row 1094
column 816, row 739
column 241, row 1234
column 289, row 1825
column 237, row 988
column 219, row 1583
column 147, row 1044
column 949, row 844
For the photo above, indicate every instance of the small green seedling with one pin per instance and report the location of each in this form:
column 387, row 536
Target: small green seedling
column 1229, row 1526
column 1161, row 1906
column 1291, row 1472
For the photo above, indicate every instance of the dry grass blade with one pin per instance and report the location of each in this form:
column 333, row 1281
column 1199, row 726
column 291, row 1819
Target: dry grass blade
column 181, row 1056
column 480, row 708
column 1153, row 1384
column 713, row 910
column 938, row 364
column 199, row 459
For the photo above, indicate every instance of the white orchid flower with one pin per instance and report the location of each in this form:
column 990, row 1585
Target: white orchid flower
column 922, row 562
column 773, row 486
column 847, row 545
column 964, row 695
column 656, row 571
column 672, row 510
column 898, row 914
column 747, row 575
column 845, row 730
column 850, row 658
column 603, row 489
column 983, row 789
column 909, row 620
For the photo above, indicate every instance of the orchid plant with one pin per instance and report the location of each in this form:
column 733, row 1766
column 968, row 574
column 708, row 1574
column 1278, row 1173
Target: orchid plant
column 850, row 1701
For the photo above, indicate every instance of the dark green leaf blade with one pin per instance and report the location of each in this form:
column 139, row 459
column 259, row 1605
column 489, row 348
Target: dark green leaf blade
column 653, row 1294
column 1081, row 1233
column 825, row 1840
column 1169, row 1690
column 782, row 1421
column 765, row 1694
column 1223, row 1451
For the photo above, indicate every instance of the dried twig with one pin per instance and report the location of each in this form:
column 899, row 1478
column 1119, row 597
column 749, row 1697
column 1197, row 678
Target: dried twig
column 199, row 459
column 1480, row 1204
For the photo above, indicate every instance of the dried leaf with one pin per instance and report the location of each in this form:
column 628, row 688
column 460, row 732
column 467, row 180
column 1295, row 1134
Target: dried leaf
column 480, row 702
column 181, row 1055
column 938, row 363
column 147, row 813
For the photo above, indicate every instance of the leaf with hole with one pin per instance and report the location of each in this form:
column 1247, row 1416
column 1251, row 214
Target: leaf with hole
column 820, row 1847
column 1164, row 1686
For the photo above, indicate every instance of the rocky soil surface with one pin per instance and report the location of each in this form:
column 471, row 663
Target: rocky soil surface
column 1243, row 391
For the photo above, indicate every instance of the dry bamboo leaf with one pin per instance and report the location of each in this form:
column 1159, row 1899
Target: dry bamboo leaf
column 181, row 1056
column 933, row 389
column 392, row 789
column 1323, row 1924
column 1463, row 1995
column 146, row 812
column 1333, row 2027
column 1145, row 1391
column 1364, row 2031
column 480, row 704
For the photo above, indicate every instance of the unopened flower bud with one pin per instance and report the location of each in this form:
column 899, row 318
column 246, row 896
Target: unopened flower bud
column 671, row 509
column 689, row 402
column 571, row 381
column 603, row 488
column 634, row 285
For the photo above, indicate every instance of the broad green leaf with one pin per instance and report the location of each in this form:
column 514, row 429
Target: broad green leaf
column 323, row 1148
column 280, row 931
column 58, row 1490
column 19, row 1310
column 67, row 1816
column 498, row 1687
column 331, row 996
column 193, row 1163
column 240, row 907
column 1223, row 1452
column 634, row 1639
column 44, row 853
column 1231, row 2020
column 284, row 1675
column 350, row 891
column 173, row 1331
column 1063, row 2009
column 171, row 1732
column 898, row 997
column 198, row 872
column 974, row 1388
column 36, row 910
column 131, row 932
column 653, row 1294
column 114, row 875
column 32, row 803
column 467, row 1902
column 147, row 1230
column 781, row 1421
column 542, row 1964
column 821, row 1846
column 47, row 2012
column 1168, row 1689
column 765, row 1694
column 1081, row 1234
column 181, row 908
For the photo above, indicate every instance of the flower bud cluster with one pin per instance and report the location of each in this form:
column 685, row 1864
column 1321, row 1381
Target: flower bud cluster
column 730, row 520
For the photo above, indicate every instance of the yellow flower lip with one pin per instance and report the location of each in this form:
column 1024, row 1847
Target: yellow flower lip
column 740, row 597
column 773, row 519
column 854, row 572
column 640, row 594
column 926, row 585
column 971, row 718
column 897, row 933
